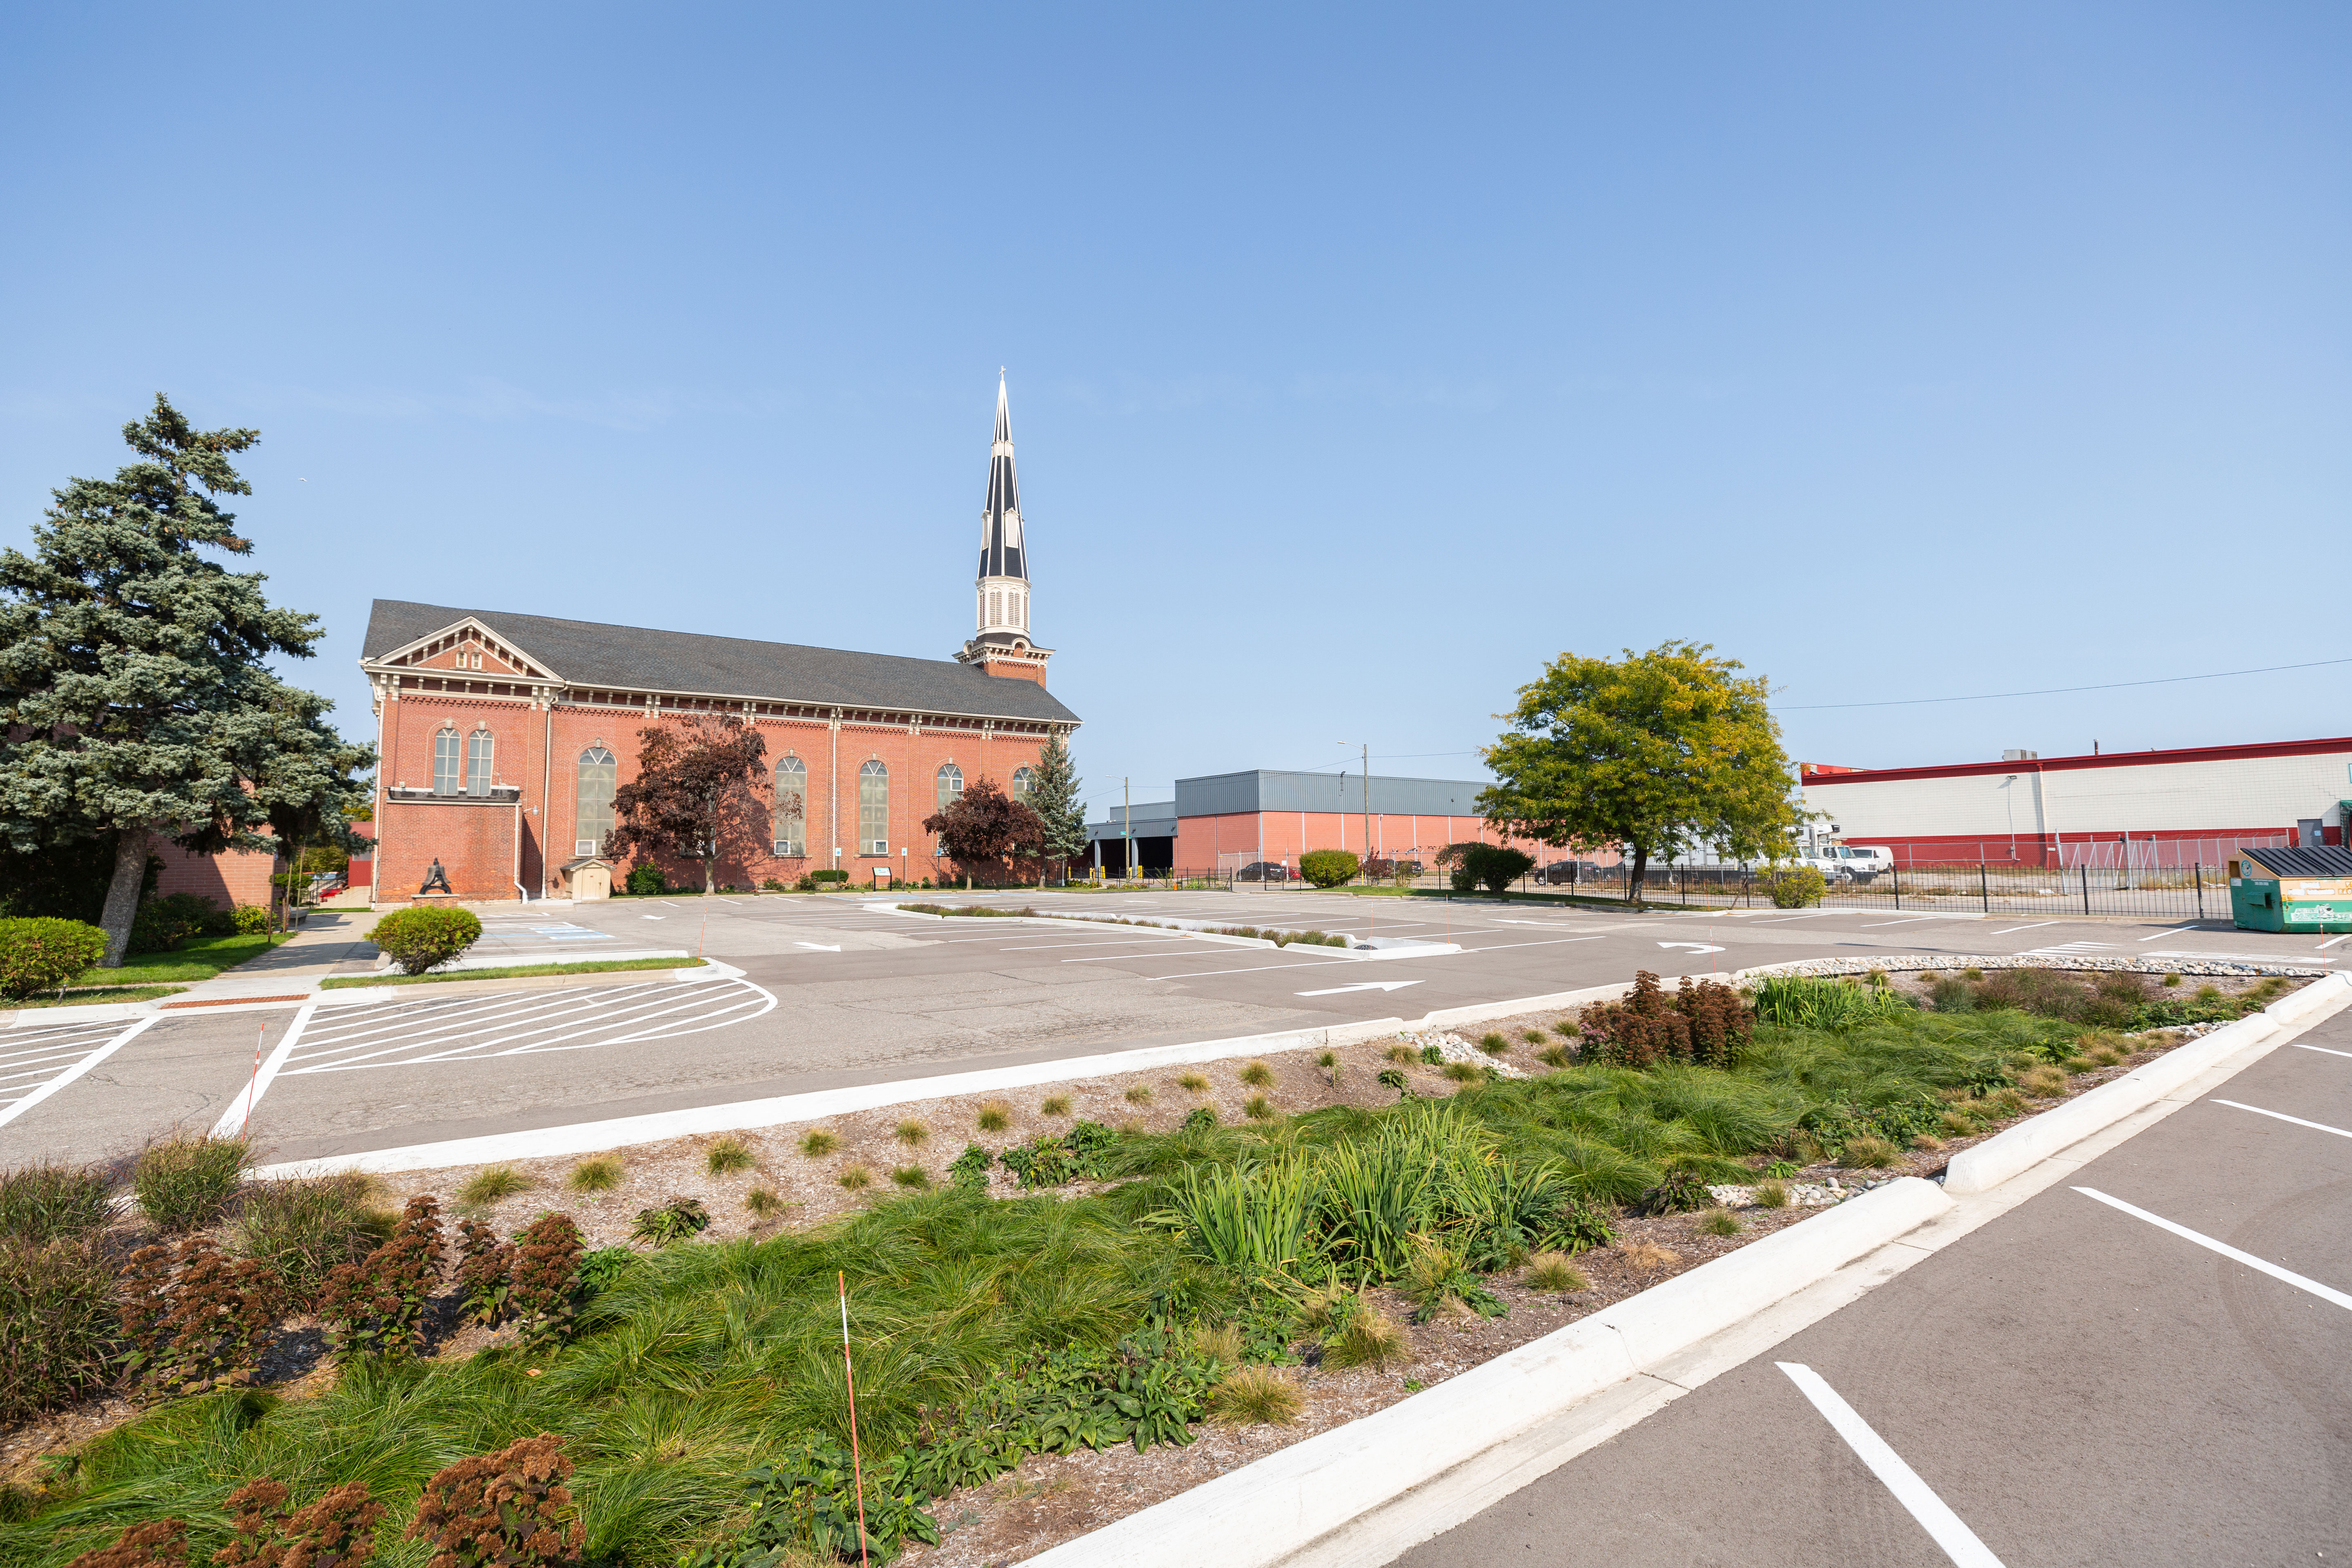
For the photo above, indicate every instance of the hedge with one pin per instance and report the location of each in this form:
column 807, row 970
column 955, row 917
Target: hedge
column 420, row 939
column 43, row 954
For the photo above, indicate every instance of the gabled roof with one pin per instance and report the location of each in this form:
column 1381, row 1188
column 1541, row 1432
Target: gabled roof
column 637, row 658
column 2284, row 860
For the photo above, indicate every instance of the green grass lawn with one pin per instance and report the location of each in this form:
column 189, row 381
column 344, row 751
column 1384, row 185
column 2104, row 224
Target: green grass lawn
column 511, row 972
column 200, row 958
column 96, row 994
column 988, row 1327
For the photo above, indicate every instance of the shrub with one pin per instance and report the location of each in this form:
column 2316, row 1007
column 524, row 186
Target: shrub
column 162, row 1544
column 817, row 1142
column 336, row 1529
column 163, row 924
column 673, row 1221
column 1489, row 865
column 43, row 954
column 45, row 1203
column 492, row 1183
column 1055, row 1105
column 1391, row 1077
column 1200, row 1119
column 250, row 920
column 1255, row 1396
column 302, row 1231
column 1493, row 1043
column 830, row 874
column 598, row 1173
column 856, row 1178
column 377, row 1307
column 646, row 880
column 58, row 1336
column 728, row 1154
column 994, row 1116
column 1257, row 1075
column 1553, row 1271
column 1327, row 867
column 913, row 1134
column 186, row 1183
column 421, row 938
column 195, row 1320
column 1720, row 1222
column 507, row 1510
column 1794, row 887
column 1706, row 1023
column 547, row 1275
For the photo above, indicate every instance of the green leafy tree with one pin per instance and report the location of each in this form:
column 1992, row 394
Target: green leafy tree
column 134, row 706
column 1657, row 751
column 696, row 792
column 1054, row 797
column 1327, row 867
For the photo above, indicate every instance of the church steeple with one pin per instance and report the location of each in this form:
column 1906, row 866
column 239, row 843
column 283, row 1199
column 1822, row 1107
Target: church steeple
column 1000, row 645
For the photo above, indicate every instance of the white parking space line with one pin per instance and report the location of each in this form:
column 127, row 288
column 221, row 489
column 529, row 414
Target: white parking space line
column 36, row 1063
column 1807, row 915
column 2325, row 1293
column 433, row 1033
column 1905, row 920
column 1943, row 1526
column 233, row 1121
column 2283, row 1116
column 2036, row 925
column 2175, row 931
column 1499, row 946
column 2323, row 1050
column 2324, row 946
column 1099, row 942
column 1115, row 957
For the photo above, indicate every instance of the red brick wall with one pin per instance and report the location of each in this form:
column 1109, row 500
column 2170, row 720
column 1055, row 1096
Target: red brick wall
column 1286, row 835
column 474, row 843
column 227, row 881
column 547, row 770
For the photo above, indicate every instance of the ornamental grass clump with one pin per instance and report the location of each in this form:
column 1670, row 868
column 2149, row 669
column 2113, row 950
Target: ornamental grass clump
column 729, row 1154
column 58, row 1330
column 1257, row 1075
column 600, row 1173
column 994, row 1116
column 1055, row 1105
column 1361, row 1334
column 1192, row 1083
column 45, row 1202
column 507, row 1510
column 304, row 1230
column 1439, row 1279
column 1255, row 1396
column 490, row 1183
column 186, row 1183
column 912, row 1133
column 817, row 1144
column 1494, row 1043
column 1553, row 1271
column 1720, row 1222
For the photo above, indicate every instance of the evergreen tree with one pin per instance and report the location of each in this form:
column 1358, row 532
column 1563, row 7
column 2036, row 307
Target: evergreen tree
column 134, row 701
column 1054, row 797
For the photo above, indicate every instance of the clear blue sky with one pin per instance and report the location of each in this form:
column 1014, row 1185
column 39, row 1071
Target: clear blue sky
column 1361, row 358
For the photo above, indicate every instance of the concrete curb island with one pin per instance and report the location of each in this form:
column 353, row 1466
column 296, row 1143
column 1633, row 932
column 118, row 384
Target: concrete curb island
column 1292, row 1504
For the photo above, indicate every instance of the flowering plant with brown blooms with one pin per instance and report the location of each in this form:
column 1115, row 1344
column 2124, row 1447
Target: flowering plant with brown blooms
column 376, row 1306
column 546, row 1289
column 336, row 1529
column 507, row 1510
column 196, row 1320
column 162, row 1544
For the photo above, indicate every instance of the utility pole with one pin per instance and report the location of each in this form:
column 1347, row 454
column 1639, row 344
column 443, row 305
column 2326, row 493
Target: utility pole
column 1128, row 796
column 1367, row 803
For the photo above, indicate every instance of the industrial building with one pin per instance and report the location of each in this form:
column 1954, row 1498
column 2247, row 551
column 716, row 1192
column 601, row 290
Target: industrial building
column 1227, row 821
column 2192, row 807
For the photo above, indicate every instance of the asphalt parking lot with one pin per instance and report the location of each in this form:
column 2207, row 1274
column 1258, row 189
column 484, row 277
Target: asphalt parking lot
column 2086, row 1380
column 836, row 991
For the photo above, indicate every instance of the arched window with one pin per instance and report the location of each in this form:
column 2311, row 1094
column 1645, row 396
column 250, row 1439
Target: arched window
column 950, row 790
column 874, row 808
column 791, row 806
column 477, row 762
column 592, row 815
column 447, row 779
column 1024, row 780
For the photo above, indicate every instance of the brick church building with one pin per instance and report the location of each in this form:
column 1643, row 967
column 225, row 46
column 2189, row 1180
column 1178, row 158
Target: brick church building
column 503, row 737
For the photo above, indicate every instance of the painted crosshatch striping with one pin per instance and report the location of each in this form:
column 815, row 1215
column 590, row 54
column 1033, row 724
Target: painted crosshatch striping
column 503, row 736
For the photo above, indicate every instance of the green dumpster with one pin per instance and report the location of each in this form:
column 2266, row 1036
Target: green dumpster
column 2292, row 889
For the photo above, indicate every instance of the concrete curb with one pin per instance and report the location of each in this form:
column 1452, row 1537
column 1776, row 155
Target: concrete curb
column 1201, row 931
column 1264, row 1512
column 2009, row 1153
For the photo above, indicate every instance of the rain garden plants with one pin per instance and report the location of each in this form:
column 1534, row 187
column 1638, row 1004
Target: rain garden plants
column 598, row 1173
column 728, row 1154
column 816, row 1143
column 186, row 1183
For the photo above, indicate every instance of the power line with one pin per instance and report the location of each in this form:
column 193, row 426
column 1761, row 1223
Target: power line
column 2060, row 690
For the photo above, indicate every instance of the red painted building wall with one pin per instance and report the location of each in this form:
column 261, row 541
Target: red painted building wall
column 1285, row 835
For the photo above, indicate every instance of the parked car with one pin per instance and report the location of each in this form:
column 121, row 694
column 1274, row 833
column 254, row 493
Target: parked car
column 1262, row 871
column 1572, row 871
column 1852, row 862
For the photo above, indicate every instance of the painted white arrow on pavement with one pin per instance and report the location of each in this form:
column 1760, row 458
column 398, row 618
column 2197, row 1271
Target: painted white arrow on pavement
column 1366, row 986
column 1694, row 946
column 818, row 946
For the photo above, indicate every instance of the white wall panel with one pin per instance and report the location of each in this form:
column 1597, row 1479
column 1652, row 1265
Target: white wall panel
column 2160, row 797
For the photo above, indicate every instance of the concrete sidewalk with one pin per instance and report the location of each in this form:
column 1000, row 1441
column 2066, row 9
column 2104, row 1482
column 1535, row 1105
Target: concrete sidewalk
column 331, row 941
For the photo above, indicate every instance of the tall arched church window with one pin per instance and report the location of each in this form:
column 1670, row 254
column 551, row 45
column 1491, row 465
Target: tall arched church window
column 874, row 808
column 791, row 806
column 1024, row 780
column 447, row 778
column 592, row 816
column 950, row 790
column 477, row 762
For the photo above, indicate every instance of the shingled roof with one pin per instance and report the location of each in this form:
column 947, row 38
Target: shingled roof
column 590, row 654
